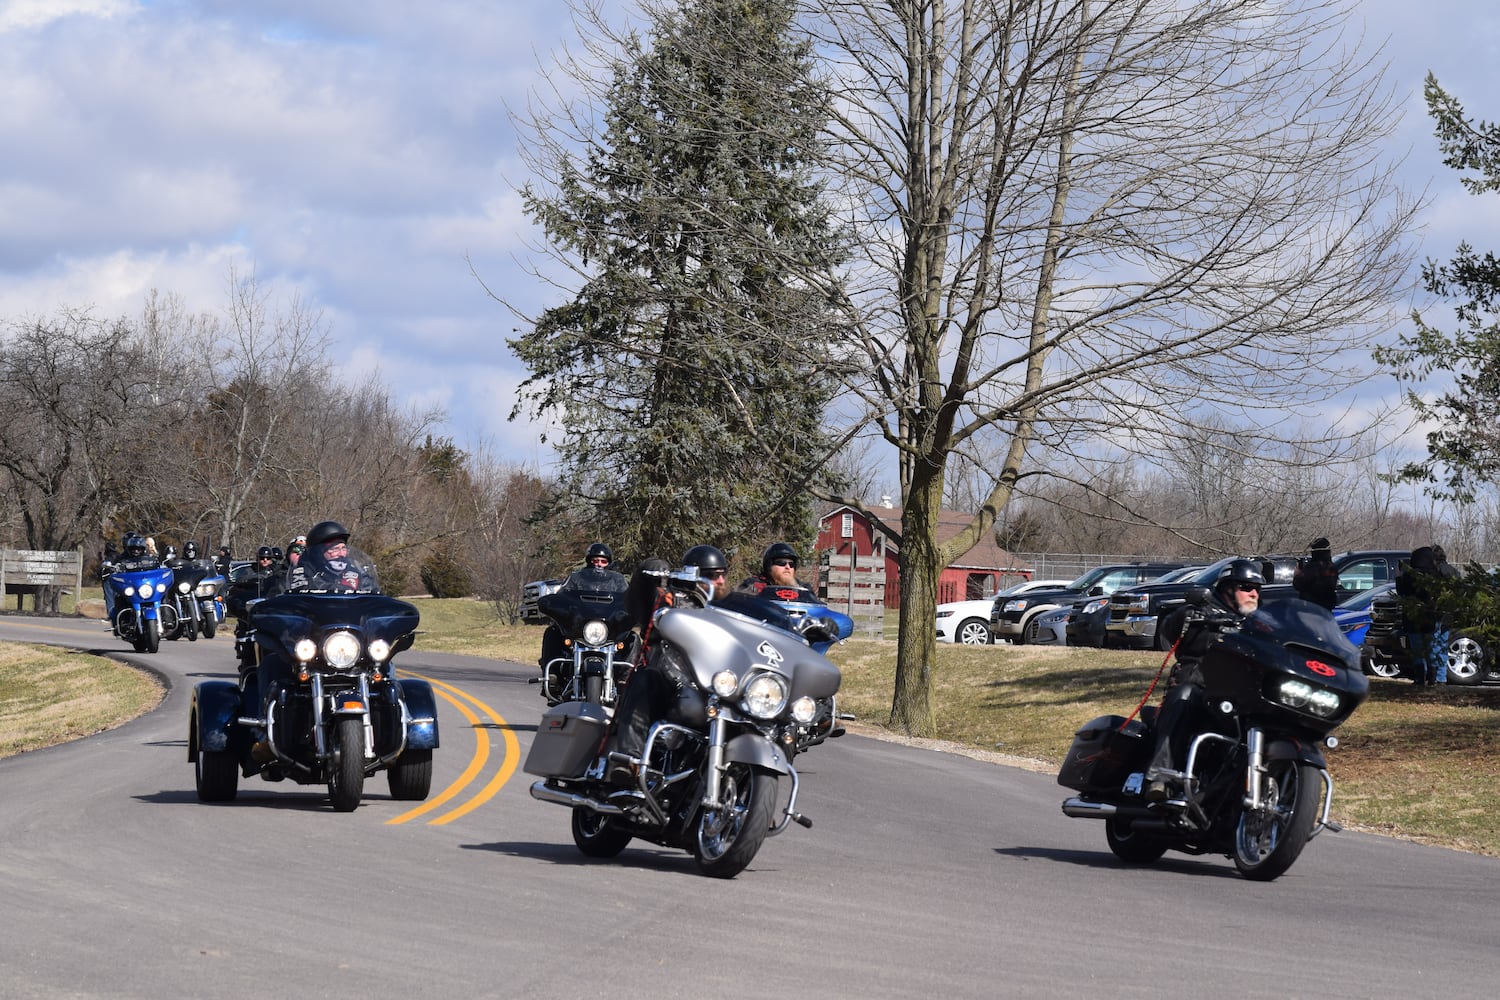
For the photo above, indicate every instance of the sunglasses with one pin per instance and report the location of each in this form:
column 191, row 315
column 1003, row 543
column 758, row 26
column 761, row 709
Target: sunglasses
column 784, row 562
column 714, row 574
column 1247, row 588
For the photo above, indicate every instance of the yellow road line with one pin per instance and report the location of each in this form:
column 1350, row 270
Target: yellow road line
column 510, row 759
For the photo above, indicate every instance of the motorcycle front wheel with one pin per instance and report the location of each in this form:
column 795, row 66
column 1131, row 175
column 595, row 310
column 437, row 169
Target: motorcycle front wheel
column 596, row 835
column 1268, row 841
column 209, row 627
column 346, row 773
column 729, row 837
column 151, row 640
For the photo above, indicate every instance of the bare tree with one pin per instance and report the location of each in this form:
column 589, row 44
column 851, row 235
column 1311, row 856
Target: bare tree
column 1088, row 224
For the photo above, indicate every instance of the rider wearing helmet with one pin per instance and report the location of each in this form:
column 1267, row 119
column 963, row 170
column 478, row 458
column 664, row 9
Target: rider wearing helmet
column 711, row 565
column 328, row 563
column 137, row 555
column 778, row 570
column 596, row 578
column 190, row 550
column 1235, row 596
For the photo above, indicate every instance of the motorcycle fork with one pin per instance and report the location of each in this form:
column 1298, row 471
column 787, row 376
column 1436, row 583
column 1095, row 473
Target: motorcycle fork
column 1255, row 768
column 320, row 735
column 715, row 770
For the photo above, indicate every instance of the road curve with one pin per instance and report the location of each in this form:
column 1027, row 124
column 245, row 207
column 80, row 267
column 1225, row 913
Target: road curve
column 925, row 874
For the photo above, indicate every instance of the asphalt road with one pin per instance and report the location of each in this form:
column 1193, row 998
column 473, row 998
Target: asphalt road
column 926, row 874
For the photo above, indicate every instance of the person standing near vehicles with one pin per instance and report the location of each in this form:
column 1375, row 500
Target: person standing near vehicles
column 1236, row 595
column 1417, row 583
column 1315, row 579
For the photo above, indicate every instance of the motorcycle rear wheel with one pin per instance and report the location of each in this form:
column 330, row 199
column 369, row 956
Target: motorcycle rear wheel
column 596, row 835
column 1130, row 846
column 346, row 775
column 1266, row 843
column 410, row 777
column 728, row 839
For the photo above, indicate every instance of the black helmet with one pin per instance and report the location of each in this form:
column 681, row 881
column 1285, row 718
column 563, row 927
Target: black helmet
column 1240, row 571
column 264, row 552
column 775, row 551
column 134, row 545
column 327, row 531
column 276, row 553
column 190, row 550
column 597, row 550
column 705, row 557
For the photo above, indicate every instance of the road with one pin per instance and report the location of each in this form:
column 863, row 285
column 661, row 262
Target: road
column 925, row 874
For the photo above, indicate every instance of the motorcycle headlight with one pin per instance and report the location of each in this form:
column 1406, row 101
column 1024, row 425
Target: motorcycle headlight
column 206, row 590
column 341, row 650
column 182, row 587
column 804, row 710
column 305, row 650
column 595, row 632
column 726, row 683
column 129, row 591
column 765, row 696
column 380, row 650
column 1303, row 696
column 146, row 590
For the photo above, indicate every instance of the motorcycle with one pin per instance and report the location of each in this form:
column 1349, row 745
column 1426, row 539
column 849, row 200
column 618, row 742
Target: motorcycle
column 709, row 770
column 600, row 646
column 142, row 610
column 1278, row 685
column 335, row 712
column 195, row 599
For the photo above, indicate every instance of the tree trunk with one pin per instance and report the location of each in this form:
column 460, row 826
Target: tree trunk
column 916, row 645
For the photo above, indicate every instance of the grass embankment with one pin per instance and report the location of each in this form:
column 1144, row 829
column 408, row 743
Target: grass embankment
column 50, row 695
column 1422, row 765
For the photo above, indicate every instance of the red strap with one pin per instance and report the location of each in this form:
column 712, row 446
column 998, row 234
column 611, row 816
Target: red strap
column 1147, row 696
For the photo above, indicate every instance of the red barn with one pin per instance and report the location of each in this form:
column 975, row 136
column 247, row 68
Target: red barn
column 976, row 574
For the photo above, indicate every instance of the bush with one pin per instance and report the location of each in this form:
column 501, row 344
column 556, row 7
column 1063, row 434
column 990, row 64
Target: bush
column 445, row 576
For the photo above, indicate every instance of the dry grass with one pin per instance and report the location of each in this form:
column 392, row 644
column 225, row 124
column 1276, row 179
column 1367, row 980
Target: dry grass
column 50, row 696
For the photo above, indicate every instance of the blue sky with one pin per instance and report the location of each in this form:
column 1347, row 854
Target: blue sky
column 359, row 152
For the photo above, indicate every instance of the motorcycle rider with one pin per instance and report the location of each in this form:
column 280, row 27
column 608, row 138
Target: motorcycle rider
column 327, row 563
column 595, row 577
column 778, row 568
column 135, row 558
column 655, row 683
column 1235, row 595
column 1315, row 579
column 224, row 561
column 294, row 550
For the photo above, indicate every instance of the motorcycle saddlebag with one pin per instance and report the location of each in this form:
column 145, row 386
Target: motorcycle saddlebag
column 1103, row 754
column 567, row 740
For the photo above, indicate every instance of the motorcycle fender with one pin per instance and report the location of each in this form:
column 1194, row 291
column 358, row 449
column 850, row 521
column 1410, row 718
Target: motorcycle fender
column 421, row 709
column 1306, row 753
column 216, row 704
column 148, row 612
column 757, row 751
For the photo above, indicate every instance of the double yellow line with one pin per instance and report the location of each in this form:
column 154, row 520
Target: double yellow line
column 511, row 750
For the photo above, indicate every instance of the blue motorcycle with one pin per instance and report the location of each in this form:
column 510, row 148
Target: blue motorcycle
column 138, row 610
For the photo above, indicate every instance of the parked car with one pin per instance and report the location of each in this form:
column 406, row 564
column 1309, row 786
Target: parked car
column 1010, row 616
column 968, row 622
column 1387, row 654
column 1086, row 623
column 533, row 592
column 1050, row 628
column 1353, row 614
column 1135, row 613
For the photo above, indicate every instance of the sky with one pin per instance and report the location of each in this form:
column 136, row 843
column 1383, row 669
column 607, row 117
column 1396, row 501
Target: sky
column 359, row 154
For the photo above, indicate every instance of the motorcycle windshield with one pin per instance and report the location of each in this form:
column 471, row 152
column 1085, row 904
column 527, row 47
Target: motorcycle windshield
column 308, row 614
column 784, row 607
column 573, row 609
column 1293, row 621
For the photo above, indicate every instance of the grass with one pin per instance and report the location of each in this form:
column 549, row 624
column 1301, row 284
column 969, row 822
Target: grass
column 50, row 695
column 1424, row 765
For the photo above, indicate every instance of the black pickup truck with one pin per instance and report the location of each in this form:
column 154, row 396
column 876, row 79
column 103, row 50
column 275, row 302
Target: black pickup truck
column 1135, row 612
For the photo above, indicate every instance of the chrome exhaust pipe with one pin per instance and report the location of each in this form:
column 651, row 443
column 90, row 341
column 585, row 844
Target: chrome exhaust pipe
column 1081, row 809
column 543, row 792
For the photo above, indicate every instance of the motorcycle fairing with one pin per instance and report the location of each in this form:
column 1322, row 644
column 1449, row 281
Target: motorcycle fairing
column 714, row 639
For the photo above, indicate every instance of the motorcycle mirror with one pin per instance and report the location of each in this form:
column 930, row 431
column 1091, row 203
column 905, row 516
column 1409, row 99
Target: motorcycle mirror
column 1197, row 596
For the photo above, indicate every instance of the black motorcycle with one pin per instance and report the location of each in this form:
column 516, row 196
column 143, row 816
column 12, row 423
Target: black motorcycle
column 1276, row 686
column 709, row 771
column 195, row 599
column 599, row 646
column 336, row 713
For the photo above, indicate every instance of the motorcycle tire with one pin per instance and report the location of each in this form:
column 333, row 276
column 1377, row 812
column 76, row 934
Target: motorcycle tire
column 596, row 835
column 346, row 772
column 216, row 774
column 209, row 627
column 727, row 839
column 593, row 689
column 1129, row 846
column 1266, row 843
column 151, row 640
column 192, row 629
column 410, row 778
